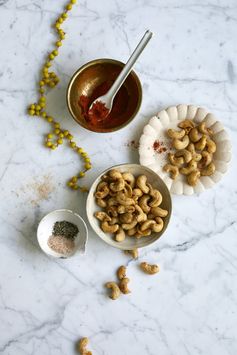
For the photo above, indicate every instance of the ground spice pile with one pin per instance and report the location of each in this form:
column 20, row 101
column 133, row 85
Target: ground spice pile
column 62, row 240
column 159, row 147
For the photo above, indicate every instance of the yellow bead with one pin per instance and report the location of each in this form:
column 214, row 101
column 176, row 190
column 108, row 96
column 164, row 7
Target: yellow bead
column 55, row 52
column 37, row 113
column 52, row 84
column 87, row 160
column 81, row 174
column 60, row 141
column 31, row 112
column 42, row 104
column 51, row 56
column 42, row 99
column 47, row 81
column 32, row 106
column 80, row 150
column 48, row 64
column 66, row 133
column 74, row 179
column 49, row 136
column 57, row 25
column 41, row 91
column 60, row 20
column 62, row 37
column 68, row 7
column 50, row 119
column 87, row 166
column 75, row 187
column 58, row 43
column 84, row 155
column 70, row 183
column 45, row 70
column 56, row 125
column 37, row 107
column 64, row 16
column 52, row 75
column 57, row 131
column 49, row 144
column 70, row 137
column 73, row 1
column 41, row 83
column 44, row 114
column 61, row 135
column 53, row 146
column 72, row 144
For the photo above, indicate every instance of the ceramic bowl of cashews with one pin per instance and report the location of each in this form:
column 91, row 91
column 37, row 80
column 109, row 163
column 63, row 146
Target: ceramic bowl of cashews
column 129, row 206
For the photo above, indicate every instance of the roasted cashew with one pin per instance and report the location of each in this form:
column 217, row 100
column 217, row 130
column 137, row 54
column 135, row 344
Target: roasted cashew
column 112, row 202
column 175, row 161
column 122, row 199
column 114, row 174
column 203, row 129
column 192, row 165
column 81, row 346
column 192, row 178
column 181, row 143
column 208, row 170
column 102, row 216
column 102, row 190
column 133, row 253
column 112, row 211
column 121, row 272
column 108, row 228
column 206, row 159
column 150, row 215
column 136, row 193
column 149, row 269
column 101, row 202
column 105, row 178
column 131, row 232
column 120, row 235
column 112, row 193
column 187, row 125
column 114, row 220
column 118, row 185
column 126, row 217
column 123, row 209
column 147, row 225
column 130, row 225
column 156, row 197
column 187, row 156
column 159, row 225
column 145, row 233
column 141, row 183
column 115, row 290
column 127, row 189
column 123, row 285
column 195, row 156
column 172, row 133
column 143, row 203
column 194, row 135
column 141, row 216
column 129, row 178
column 200, row 145
column 211, row 146
column 159, row 212
column 172, row 169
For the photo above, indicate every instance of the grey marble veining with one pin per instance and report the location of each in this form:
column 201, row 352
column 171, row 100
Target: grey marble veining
column 45, row 304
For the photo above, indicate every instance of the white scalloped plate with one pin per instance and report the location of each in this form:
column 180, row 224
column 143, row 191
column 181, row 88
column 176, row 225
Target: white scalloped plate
column 156, row 129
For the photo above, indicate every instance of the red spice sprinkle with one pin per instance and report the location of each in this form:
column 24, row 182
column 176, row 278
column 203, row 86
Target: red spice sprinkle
column 159, row 147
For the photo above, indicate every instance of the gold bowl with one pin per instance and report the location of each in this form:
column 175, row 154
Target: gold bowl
column 92, row 75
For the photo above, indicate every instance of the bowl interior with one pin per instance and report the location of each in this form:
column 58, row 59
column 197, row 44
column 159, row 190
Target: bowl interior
column 45, row 229
column 102, row 73
column 130, row 242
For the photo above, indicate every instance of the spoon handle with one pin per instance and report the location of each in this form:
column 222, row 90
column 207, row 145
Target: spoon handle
column 131, row 61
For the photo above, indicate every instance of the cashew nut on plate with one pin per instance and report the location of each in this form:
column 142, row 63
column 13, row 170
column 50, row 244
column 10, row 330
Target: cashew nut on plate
column 194, row 135
column 102, row 216
column 208, row 170
column 211, row 146
column 172, row 169
column 192, row 165
column 109, row 228
column 149, row 269
column 203, row 129
column 175, row 160
column 206, row 159
column 193, row 177
column 156, row 198
column 143, row 203
column 117, row 185
column 120, row 235
column 187, row 125
column 176, row 134
column 159, row 212
column 141, row 183
column 129, row 178
column 185, row 154
column 114, row 174
column 181, row 143
column 102, row 190
column 200, row 145
column 115, row 290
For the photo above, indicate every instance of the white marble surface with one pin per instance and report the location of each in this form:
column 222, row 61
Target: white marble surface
column 45, row 304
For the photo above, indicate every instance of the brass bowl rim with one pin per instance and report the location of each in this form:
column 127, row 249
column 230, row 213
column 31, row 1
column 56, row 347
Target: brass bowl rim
column 102, row 61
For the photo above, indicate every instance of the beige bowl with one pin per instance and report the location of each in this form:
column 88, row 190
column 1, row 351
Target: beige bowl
column 130, row 242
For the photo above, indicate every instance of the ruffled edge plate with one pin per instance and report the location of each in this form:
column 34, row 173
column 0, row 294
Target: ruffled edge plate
column 155, row 131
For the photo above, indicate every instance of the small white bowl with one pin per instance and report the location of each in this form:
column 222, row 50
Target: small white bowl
column 129, row 243
column 45, row 229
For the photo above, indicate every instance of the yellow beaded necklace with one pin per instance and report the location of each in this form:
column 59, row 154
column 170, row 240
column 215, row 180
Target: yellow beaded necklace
column 50, row 80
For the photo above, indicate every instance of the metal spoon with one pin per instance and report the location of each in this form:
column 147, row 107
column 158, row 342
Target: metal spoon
column 107, row 99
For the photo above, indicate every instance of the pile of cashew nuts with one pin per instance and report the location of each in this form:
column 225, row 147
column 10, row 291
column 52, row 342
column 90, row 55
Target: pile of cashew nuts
column 131, row 206
column 194, row 151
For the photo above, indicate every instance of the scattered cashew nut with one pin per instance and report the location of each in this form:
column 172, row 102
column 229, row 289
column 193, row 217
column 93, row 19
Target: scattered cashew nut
column 149, row 269
column 123, row 285
column 115, row 290
column 133, row 253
